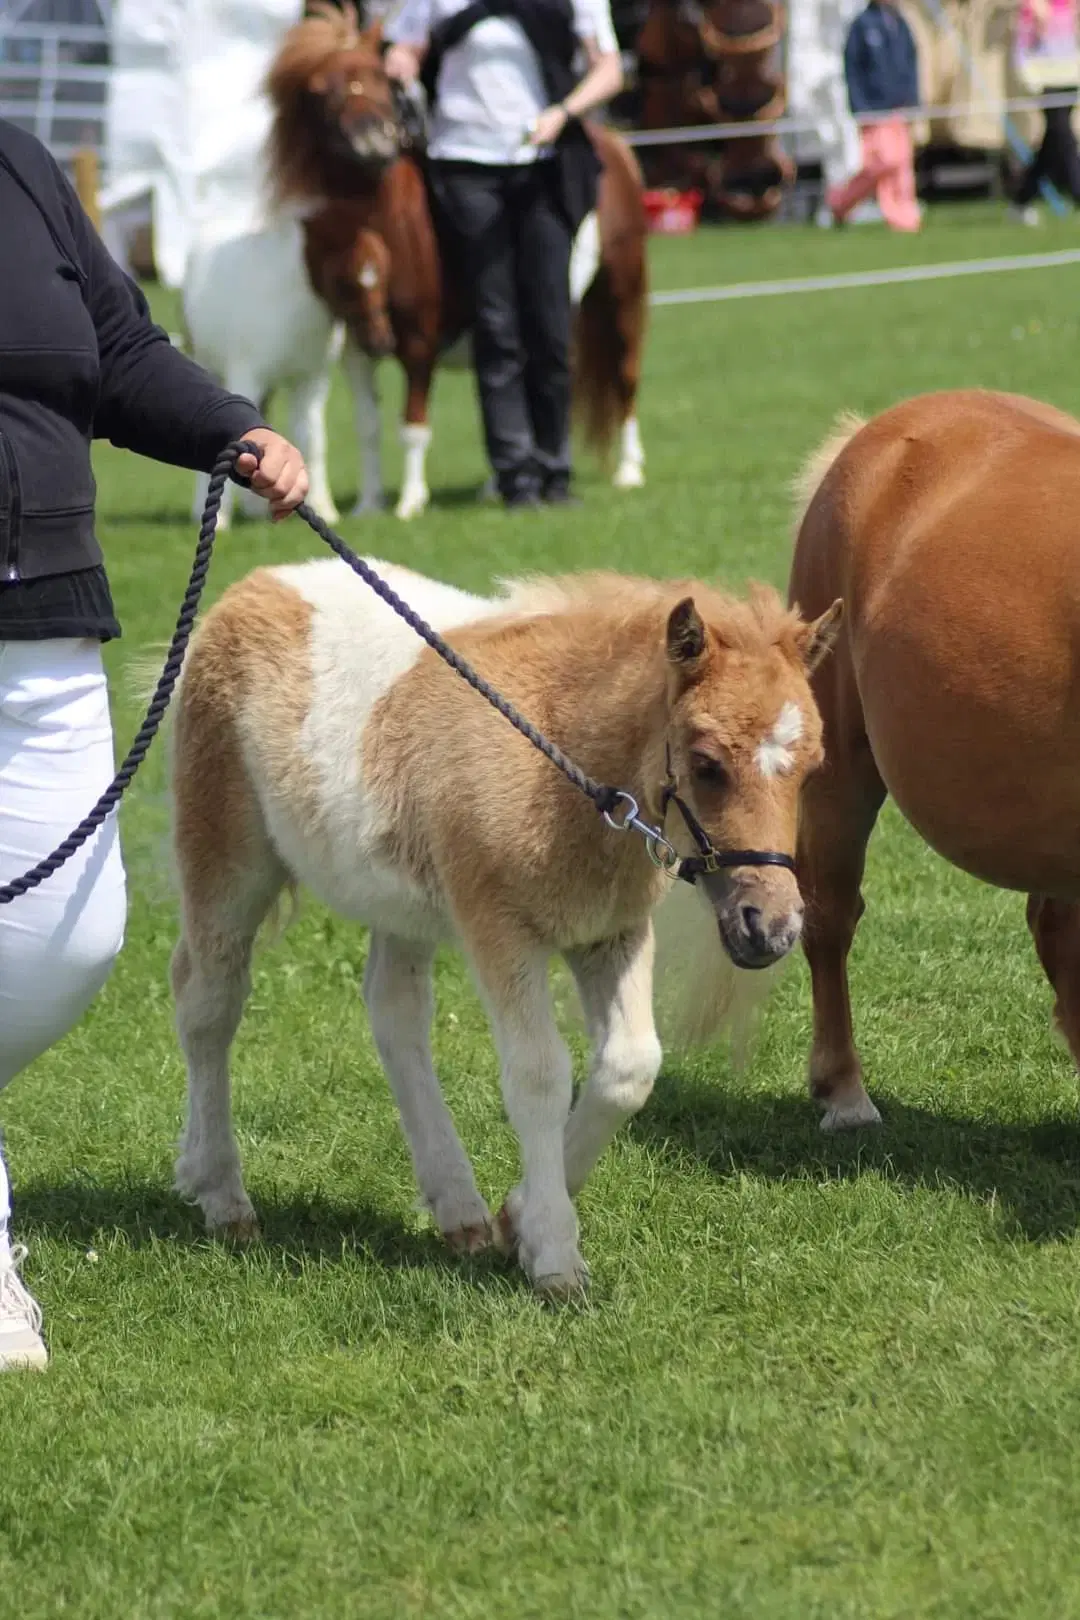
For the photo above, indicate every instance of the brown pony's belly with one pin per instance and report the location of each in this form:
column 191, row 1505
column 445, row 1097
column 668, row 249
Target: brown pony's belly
column 973, row 716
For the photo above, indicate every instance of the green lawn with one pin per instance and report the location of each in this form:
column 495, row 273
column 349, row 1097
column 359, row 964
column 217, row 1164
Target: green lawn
column 814, row 1378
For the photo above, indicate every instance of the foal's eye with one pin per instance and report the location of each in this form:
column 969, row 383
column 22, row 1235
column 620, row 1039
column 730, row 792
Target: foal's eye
column 707, row 771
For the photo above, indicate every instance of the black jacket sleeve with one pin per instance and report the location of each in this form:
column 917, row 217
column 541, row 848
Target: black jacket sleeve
column 153, row 399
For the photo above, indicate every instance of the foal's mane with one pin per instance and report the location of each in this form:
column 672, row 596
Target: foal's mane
column 294, row 162
column 752, row 625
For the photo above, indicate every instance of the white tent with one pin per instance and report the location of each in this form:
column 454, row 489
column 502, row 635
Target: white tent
column 186, row 119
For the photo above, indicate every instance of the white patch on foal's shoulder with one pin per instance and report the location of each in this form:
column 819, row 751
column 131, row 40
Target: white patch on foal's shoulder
column 773, row 754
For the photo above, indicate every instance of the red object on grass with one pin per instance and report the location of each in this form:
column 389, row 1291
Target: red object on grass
column 671, row 212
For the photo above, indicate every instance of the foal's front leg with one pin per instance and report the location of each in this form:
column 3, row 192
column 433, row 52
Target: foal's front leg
column 538, row 1217
column 401, row 1004
column 614, row 979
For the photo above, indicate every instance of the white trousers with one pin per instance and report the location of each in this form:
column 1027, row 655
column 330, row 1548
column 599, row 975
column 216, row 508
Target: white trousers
column 58, row 942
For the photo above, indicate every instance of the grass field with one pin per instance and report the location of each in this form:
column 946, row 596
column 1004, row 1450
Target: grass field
column 815, row 1378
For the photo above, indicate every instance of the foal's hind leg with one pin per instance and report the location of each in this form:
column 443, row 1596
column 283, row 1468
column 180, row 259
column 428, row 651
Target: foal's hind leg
column 1055, row 928
column 400, row 1003
column 230, row 877
column 840, row 806
column 614, row 980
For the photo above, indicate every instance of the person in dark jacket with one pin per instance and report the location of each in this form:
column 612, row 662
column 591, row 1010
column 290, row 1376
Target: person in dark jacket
column 80, row 358
column 512, row 174
column 882, row 70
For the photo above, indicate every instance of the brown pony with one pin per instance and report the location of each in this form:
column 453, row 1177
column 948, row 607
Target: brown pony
column 945, row 524
column 337, row 152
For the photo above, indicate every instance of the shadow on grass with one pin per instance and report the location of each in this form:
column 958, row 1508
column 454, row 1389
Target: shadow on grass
column 85, row 1214
column 1031, row 1171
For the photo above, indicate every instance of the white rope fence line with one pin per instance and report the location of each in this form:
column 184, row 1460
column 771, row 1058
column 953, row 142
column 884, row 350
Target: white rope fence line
column 689, row 133
column 865, row 278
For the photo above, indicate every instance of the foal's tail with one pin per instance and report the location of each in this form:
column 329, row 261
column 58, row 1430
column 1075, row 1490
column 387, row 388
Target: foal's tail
column 700, row 995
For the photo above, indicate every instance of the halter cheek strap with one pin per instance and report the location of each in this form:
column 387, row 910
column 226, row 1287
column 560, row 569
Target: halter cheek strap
column 710, row 859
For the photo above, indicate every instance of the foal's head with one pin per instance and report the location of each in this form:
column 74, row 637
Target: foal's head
column 334, row 112
column 743, row 733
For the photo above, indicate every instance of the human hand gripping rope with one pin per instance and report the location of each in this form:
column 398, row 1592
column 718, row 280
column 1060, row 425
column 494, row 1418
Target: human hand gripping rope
column 618, row 807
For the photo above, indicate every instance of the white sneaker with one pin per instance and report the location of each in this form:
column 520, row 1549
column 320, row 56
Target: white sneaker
column 21, row 1344
column 1028, row 215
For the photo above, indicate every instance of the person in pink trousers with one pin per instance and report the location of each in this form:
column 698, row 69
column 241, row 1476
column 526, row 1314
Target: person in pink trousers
column 882, row 71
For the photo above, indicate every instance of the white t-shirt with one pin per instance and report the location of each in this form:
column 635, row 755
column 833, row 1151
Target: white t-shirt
column 490, row 85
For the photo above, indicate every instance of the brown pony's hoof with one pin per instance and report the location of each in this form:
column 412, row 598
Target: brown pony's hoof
column 849, row 1114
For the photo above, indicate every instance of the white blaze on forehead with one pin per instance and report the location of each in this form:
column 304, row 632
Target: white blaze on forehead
column 368, row 277
column 773, row 754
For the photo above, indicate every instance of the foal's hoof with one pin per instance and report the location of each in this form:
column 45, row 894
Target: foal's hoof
column 849, row 1115
column 564, row 1286
column 557, row 1274
column 470, row 1239
column 243, row 1231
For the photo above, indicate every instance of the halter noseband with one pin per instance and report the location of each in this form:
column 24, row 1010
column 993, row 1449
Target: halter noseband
column 711, row 859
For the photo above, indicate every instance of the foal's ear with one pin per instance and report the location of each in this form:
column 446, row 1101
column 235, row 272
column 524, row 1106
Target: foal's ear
column 685, row 633
column 373, row 35
column 817, row 638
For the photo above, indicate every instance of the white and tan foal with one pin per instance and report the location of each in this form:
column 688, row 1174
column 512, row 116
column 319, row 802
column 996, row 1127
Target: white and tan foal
column 318, row 742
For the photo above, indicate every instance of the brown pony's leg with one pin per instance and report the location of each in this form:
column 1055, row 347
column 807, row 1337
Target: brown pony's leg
column 840, row 805
column 419, row 362
column 1055, row 928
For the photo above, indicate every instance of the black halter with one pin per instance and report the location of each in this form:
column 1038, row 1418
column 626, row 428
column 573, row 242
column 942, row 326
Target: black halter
column 691, row 867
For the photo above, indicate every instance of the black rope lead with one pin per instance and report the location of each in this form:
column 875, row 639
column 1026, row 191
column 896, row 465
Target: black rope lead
column 604, row 798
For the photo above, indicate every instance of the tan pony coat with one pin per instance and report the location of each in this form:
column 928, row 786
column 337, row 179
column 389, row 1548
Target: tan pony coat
column 950, row 526
column 317, row 742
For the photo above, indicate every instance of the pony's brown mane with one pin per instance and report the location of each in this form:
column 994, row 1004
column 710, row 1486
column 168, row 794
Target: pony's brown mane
column 752, row 625
column 295, row 167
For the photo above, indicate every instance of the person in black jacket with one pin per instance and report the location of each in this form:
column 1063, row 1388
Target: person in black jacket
column 80, row 358
column 512, row 174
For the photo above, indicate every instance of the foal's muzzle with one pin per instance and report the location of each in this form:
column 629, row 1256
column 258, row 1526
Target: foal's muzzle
column 756, row 929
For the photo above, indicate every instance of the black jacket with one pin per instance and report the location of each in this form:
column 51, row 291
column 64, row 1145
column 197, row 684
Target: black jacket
column 80, row 358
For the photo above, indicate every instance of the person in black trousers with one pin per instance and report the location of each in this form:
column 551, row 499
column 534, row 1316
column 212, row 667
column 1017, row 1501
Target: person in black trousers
column 1047, row 61
column 512, row 174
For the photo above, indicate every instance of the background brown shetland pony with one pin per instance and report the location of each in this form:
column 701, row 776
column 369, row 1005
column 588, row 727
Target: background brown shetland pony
column 714, row 62
column 336, row 153
column 949, row 526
